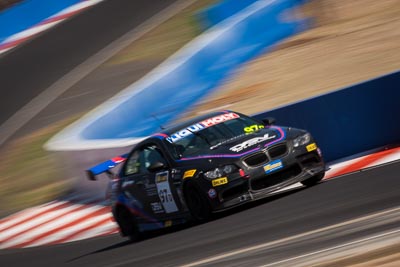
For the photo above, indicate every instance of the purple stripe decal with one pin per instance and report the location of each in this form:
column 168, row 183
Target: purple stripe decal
column 282, row 133
column 222, row 155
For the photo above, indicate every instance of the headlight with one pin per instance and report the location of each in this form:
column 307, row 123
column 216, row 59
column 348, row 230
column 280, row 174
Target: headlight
column 220, row 171
column 302, row 140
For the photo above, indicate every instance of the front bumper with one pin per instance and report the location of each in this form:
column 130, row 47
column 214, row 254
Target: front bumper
column 297, row 166
column 249, row 195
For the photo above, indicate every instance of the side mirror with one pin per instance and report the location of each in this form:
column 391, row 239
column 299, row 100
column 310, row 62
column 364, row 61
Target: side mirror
column 269, row 121
column 156, row 166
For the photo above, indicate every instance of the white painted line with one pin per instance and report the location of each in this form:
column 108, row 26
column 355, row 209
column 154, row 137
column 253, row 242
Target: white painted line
column 278, row 263
column 49, row 22
column 284, row 240
column 30, row 32
column 76, row 7
column 37, row 104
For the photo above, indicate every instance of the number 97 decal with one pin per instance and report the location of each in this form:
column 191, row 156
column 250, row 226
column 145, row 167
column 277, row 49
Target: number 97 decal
column 164, row 192
column 253, row 128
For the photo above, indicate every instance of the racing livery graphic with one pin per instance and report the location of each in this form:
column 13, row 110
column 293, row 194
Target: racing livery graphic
column 208, row 164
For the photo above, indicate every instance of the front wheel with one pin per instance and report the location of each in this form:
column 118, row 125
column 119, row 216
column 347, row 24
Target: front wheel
column 197, row 203
column 313, row 180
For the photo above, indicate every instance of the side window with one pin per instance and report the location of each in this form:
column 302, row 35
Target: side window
column 141, row 159
column 151, row 155
column 132, row 165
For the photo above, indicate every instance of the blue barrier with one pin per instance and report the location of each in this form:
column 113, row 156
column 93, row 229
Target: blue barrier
column 221, row 10
column 29, row 13
column 224, row 9
column 351, row 120
column 194, row 72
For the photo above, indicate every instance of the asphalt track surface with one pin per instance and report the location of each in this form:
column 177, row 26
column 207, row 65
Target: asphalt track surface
column 286, row 215
column 32, row 67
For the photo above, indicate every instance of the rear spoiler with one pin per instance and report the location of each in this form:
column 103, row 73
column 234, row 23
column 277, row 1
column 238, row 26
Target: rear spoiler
column 105, row 167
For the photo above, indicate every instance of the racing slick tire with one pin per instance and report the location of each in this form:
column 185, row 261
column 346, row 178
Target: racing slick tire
column 313, row 180
column 197, row 203
column 128, row 225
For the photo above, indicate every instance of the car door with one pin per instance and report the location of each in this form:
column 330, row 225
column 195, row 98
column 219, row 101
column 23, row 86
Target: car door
column 135, row 177
column 166, row 202
column 152, row 186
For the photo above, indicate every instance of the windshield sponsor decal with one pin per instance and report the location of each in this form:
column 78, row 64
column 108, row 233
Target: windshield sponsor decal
column 201, row 125
column 273, row 166
column 252, row 142
column 253, row 128
column 219, row 119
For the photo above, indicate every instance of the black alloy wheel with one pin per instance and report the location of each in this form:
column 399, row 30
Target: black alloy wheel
column 197, row 203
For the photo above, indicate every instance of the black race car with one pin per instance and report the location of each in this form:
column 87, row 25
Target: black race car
column 205, row 165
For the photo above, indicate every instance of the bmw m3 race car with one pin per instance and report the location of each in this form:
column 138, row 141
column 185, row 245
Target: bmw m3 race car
column 205, row 165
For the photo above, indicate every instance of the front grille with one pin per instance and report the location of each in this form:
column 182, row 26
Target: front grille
column 277, row 151
column 256, row 159
column 275, row 178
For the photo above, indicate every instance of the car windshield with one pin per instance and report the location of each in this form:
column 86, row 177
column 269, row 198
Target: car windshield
column 209, row 134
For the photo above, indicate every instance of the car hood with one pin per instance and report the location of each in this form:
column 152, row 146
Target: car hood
column 255, row 141
column 244, row 145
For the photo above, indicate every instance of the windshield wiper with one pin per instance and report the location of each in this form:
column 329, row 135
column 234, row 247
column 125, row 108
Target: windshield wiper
column 200, row 135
